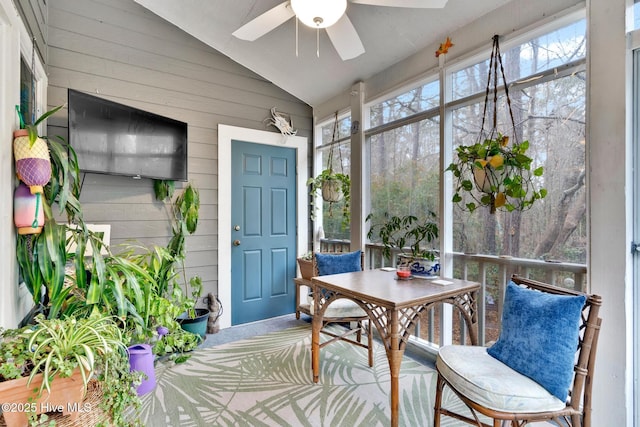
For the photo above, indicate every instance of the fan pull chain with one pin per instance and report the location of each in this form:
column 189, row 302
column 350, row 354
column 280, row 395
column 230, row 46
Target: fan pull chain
column 296, row 36
column 318, row 42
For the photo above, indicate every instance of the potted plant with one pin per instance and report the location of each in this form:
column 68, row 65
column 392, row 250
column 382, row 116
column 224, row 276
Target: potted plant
column 334, row 187
column 47, row 367
column 409, row 235
column 151, row 315
column 305, row 262
column 184, row 211
column 495, row 174
column 44, row 258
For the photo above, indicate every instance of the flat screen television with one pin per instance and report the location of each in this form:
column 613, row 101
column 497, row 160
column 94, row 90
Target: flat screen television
column 116, row 139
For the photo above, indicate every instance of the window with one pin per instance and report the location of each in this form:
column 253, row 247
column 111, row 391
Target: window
column 548, row 103
column 404, row 153
column 549, row 51
column 423, row 98
column 546, row 76
column 336, row 147
column 27, row 92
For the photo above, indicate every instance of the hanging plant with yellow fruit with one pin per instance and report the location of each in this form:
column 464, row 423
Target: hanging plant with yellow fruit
column 496, row 174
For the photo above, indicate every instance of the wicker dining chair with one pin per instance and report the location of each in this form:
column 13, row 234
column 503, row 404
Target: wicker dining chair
column 342, row 310
column 541, row 367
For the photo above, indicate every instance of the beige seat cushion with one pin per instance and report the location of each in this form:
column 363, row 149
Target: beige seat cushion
column 491, row 383
column 339, row 308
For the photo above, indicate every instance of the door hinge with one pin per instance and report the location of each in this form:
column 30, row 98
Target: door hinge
column 635, row 247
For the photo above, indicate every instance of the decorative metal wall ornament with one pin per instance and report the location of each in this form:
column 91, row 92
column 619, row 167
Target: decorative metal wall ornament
column 282, row 121
column 496, row 171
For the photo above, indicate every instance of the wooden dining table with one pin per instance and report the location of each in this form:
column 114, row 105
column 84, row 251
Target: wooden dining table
column 393, row 306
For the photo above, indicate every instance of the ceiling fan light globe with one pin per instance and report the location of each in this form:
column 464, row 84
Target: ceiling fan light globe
column 319, row 13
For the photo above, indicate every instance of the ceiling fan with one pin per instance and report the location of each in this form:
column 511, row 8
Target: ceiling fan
column 327, row 14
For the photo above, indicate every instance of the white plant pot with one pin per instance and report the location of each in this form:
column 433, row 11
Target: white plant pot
column 487, row 177
column 332, row 191
column 420, row 267
column 482, row 179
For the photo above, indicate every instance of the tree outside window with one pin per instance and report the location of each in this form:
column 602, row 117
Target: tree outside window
column 549, row 112
column 404, row 161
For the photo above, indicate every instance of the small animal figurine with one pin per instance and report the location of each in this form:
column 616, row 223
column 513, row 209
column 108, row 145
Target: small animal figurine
column 282, row 121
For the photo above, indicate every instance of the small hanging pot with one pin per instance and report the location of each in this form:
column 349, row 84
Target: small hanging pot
column 28, row 214
column 33, row 165
column 332, row 191
column 488, row 177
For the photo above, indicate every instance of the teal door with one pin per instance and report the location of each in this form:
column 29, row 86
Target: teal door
column 263, row 235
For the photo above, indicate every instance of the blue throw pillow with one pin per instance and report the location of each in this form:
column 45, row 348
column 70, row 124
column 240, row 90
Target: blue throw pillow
column 338, row 263
column 539, row 336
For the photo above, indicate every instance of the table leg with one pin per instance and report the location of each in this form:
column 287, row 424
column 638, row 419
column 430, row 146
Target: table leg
column 395, row 360
column 316, row 326
column 394, row 355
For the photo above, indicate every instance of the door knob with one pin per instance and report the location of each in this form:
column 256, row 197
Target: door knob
column 236, row 243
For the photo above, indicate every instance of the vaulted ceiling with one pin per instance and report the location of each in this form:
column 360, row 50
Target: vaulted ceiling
column 388, row 34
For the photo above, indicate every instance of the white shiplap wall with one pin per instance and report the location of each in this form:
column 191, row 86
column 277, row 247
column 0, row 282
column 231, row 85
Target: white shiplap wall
column 120, row 51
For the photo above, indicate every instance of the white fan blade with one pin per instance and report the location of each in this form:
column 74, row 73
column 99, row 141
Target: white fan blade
column 416, row 4
column 345, row 39
column 266, row 22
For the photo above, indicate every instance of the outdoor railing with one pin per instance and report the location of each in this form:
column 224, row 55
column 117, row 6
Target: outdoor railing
column 492, row 272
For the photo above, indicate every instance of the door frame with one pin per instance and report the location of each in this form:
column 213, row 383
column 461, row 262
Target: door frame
column 226, row 134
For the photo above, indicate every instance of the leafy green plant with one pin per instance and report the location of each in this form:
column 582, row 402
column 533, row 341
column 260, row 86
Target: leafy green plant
column 333, row 186
column 148, row 308
column 406, row 233
column 495, row 174
column 184, row 213
column 32, row 128
column 335, row 182
column 43, row 258
column 56, row 347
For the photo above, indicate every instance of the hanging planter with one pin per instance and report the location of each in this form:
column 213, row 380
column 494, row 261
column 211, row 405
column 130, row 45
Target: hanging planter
column 496, row 171
column 333, row 186
column 33, row 165
column 332, row 191
column 28, row 213
column 31, row 152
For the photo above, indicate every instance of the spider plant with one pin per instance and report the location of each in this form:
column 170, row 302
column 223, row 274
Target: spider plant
column 53, row 349
column 61, row 345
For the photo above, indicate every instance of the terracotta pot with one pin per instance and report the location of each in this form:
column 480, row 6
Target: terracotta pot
column 306, row 268
column 66, row 396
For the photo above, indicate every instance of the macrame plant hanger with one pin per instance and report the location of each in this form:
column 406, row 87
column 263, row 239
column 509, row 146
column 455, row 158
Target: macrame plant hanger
column 496, row 59
column 334, row 137
column 332, row 194
column 509, row 185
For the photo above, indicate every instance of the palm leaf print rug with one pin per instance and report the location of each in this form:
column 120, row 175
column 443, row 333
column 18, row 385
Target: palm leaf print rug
column 267, row 381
